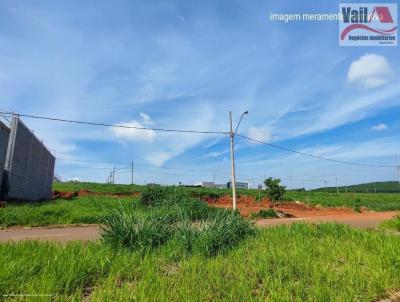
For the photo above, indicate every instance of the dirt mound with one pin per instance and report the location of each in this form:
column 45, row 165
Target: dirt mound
column 300, row 209
column 63, row 195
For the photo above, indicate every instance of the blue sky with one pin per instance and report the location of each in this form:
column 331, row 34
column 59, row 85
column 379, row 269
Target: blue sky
column 185, row 64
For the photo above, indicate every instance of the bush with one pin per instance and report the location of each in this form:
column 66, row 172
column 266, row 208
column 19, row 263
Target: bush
column 155, row 195
column 223, row 232
column 275, row 190
column 123, row 228
column 152, row 195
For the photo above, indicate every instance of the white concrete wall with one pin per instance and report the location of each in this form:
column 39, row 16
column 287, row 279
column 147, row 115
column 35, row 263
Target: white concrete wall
column 30, row 165
column 4, row 134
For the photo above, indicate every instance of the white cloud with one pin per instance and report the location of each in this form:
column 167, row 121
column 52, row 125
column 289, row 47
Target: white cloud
column 379, row 127
column 259, row 133
column 369, row 71
column 216, row 153
column 159, row 158
column 134, row 134
column 146, row 119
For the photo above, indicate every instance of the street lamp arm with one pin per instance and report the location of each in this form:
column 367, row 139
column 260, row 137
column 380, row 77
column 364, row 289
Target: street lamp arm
column 241, row 117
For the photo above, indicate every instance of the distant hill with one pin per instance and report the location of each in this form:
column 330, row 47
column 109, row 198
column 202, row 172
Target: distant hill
column 371, row 187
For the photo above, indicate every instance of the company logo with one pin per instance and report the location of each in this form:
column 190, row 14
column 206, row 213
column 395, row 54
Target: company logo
column 368, row 24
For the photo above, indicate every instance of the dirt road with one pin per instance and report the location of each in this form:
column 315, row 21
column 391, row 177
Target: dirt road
column 91, row 232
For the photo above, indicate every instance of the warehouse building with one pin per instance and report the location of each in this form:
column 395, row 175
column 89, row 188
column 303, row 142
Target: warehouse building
column 26, row 165
column 239, row 185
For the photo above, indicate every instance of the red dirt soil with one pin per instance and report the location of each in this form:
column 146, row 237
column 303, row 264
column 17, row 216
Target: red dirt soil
column 246, row 205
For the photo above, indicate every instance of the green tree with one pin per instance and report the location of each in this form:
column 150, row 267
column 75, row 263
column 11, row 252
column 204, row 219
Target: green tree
column 274, row 188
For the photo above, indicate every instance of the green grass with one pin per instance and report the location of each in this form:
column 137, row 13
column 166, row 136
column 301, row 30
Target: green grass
column 372, row 201
column 91, row 209
column 286, row 263
column 87, row 209
column 198, row 192
column 392, row 224
column 74, row 186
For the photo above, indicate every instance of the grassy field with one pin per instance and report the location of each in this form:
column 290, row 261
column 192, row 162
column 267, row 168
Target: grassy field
column 372, row 201
column 92, row 209
column 287, row 263
column 85, row 209
column 117, row 188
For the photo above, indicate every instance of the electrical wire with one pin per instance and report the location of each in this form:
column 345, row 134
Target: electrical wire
column 197, row 132
column 112, row 125
column 315, row 156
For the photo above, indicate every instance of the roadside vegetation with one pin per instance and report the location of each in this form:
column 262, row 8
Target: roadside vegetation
column 85, row 209
column 173, row 217
column 392, row 224
column 286, row 263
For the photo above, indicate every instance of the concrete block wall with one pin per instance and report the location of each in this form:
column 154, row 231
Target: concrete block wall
column 4, row 134
column 30, row 165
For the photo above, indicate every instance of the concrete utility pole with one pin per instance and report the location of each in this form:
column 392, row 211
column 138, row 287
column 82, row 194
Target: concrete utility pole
column 397, row 169
column 337, row 186
column 132, row 173
column 233, row 172
column 113, row 176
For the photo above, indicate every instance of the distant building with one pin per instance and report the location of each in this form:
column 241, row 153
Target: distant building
column 239, row 185
column 206, row 184
column 220, row 186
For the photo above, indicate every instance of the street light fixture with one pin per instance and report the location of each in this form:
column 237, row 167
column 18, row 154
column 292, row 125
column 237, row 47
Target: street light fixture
column 233, row 176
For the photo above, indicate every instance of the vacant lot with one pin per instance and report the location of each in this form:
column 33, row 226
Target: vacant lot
column 168, row 245
column 92, row 208
column 372, row 201
column 286, row 263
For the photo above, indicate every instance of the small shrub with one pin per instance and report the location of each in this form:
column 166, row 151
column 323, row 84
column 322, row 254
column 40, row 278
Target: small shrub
column 155, row 195
column 274, row 189
column 152, row 195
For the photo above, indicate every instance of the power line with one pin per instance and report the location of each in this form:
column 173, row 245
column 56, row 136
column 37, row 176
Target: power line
column 315, row 156
column 138, row 164
column 112, row 125
column 196, row 132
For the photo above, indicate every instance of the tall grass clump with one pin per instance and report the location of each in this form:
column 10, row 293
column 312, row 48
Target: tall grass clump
column 122, row 228
column 223, row 232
